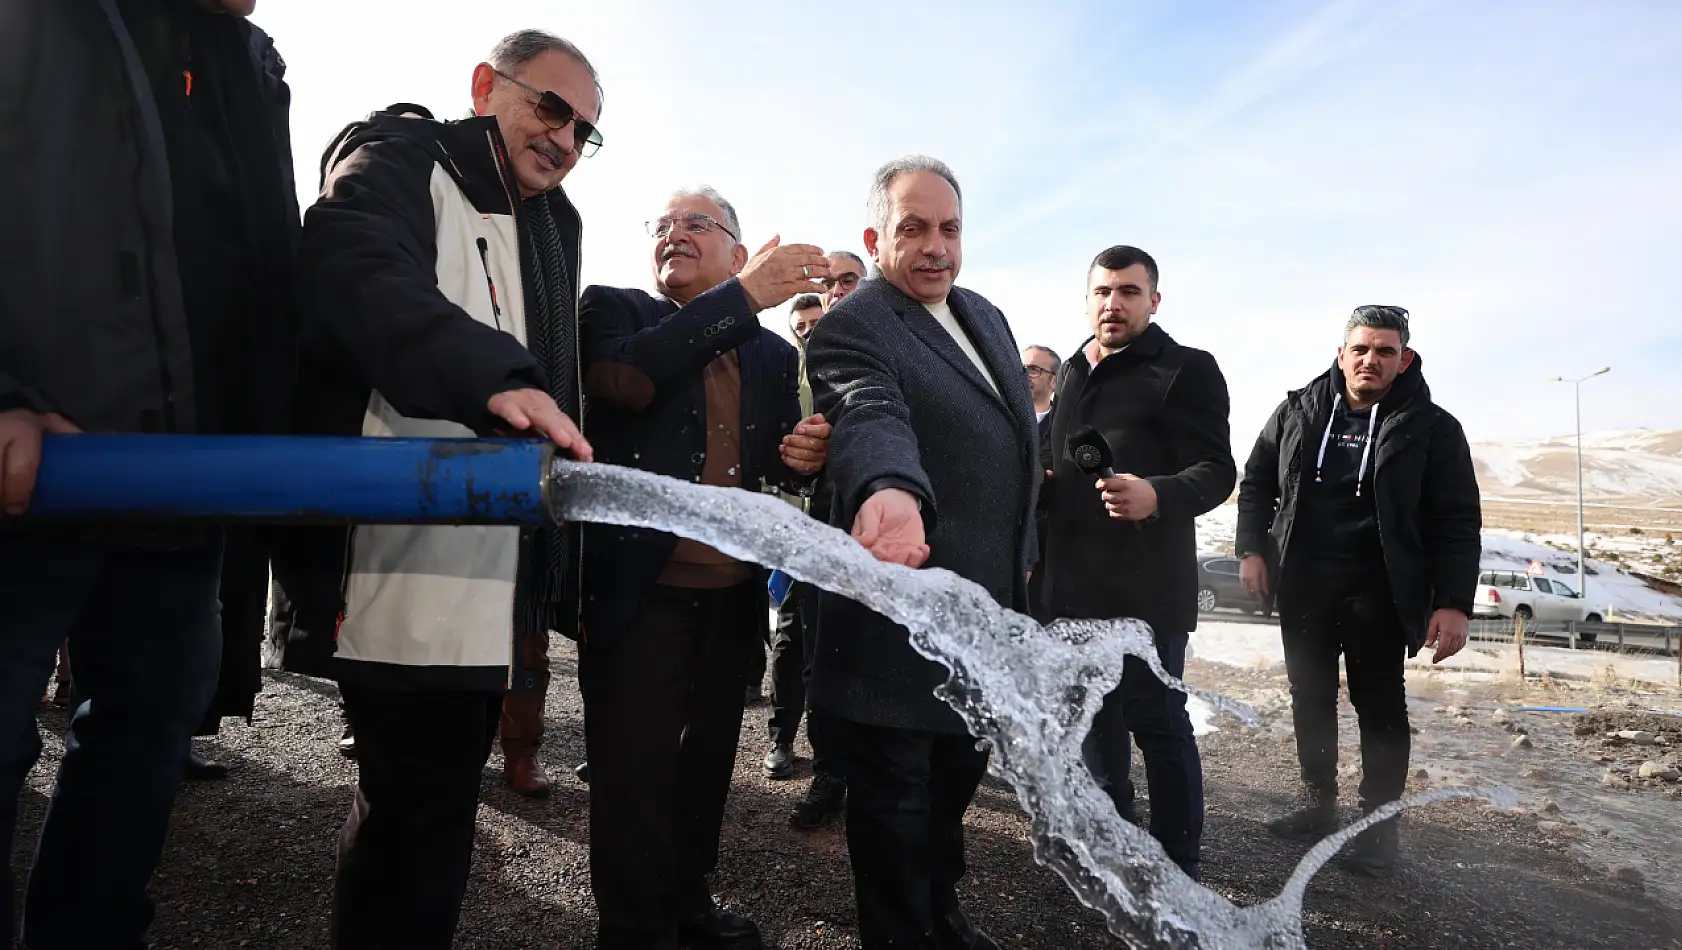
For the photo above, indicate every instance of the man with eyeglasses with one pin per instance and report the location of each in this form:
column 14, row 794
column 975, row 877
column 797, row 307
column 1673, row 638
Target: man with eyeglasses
column 683, row 382
column 1359, row 512
column 1042, row 365
column 826, row 796
column 439, row 276
column 846, row 269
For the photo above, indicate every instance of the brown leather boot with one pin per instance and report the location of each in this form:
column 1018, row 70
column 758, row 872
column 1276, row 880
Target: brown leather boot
column 526, row 777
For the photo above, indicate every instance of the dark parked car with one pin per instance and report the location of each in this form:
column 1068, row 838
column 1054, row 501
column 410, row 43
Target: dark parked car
column 1218, row 585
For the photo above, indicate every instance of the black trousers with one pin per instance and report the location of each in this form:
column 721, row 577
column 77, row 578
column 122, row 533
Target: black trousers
column 405, row 850
column 1324, row 614
column 788, row 669
column 907, row 794
column 1146, row 710
column 662, row 716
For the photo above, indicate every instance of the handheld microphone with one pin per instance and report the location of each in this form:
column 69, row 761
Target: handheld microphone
column 1091, row 453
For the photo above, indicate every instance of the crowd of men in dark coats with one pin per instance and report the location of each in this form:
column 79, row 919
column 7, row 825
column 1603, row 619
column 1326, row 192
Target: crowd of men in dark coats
column 438, row 295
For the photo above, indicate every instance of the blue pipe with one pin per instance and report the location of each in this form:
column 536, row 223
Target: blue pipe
column 292, row 479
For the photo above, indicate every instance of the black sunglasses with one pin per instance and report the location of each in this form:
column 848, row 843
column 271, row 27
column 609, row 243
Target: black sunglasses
column 556, row 112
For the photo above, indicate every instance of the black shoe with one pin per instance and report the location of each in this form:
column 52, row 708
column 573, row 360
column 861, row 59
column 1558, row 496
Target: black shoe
column 1316, row 821
column 779, row 762
column 583, row 772
column 347, row 744
column 956, row 932
column 1373, row 852
column 201, row 769
column 719, row 930
column 824, row 800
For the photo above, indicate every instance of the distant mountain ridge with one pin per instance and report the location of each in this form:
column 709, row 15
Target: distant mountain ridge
column 1626, row 467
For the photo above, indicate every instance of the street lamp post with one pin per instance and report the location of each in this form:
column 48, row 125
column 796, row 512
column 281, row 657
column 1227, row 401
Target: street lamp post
column 1577, row 390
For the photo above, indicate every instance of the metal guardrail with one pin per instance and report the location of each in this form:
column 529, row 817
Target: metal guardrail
column 1631, row 638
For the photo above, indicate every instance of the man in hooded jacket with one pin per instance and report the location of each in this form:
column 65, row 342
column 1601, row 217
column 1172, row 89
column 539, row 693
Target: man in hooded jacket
column 1359, row 511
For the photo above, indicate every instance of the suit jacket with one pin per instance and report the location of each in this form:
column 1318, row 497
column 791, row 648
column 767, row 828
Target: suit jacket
column 645, row 407
column 1163, row 409
column 911, row 411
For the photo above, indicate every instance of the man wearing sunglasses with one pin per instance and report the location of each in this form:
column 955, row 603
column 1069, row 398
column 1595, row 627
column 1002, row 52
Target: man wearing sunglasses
column 1359, row 511
column 439, row 276
column 683, row 382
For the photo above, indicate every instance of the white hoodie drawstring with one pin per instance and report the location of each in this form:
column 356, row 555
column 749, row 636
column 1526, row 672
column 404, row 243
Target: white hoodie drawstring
column 1366, row 449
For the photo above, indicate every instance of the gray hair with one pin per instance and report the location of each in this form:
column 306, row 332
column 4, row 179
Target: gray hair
column 1378, row 318
column 517, row 49
column 849, row 255
column 711, row 194
column 879, row 203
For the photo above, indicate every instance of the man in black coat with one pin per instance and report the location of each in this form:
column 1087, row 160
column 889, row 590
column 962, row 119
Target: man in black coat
column 1372, row 557
column 439, row 272
column 934, row 460
column 685, row 383
column 1127, row 546
column 145, row 287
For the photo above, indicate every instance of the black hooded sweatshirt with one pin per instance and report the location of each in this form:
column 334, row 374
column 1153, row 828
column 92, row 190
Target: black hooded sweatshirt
column 1416, row 517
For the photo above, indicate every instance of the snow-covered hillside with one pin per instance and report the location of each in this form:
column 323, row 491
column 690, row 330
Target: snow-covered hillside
column 1617, row 593
column 1636, row 467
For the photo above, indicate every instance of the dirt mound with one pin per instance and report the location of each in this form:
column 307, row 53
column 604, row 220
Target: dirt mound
column 1615, row 720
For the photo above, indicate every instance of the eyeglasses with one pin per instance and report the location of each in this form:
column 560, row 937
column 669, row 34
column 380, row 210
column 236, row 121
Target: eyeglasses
column 846, row 281
column 1033, row 370
column 693, row 223
column 556, row 112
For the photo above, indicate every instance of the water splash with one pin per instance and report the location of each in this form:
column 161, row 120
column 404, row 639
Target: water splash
column 1030, row 691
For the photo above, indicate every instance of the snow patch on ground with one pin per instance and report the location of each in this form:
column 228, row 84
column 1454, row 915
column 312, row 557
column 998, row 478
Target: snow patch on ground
column 1257, row 646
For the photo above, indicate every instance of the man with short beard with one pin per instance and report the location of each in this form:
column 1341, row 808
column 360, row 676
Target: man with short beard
column 145, row 287
column 921, row 381
column 1126, row 546
column 685, row 383
column 1359, row 511
column 439, row 277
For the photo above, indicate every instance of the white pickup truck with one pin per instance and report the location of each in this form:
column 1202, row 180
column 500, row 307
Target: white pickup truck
column 1517, row 594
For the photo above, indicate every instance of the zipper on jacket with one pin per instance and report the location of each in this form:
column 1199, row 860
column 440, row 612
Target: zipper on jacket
column 485, row 259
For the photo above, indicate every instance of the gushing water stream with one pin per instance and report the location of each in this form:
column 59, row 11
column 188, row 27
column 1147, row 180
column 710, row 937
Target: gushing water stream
column 1028, row 690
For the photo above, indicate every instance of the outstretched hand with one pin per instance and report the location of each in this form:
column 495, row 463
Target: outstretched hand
column 890, row 525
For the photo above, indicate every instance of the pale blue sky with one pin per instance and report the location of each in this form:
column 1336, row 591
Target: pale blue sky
column 1511, row 172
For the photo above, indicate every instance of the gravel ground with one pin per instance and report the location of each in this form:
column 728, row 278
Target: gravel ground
column 250, row 859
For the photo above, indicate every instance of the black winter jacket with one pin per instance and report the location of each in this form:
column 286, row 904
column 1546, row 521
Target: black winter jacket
column 1163, row 408
column 647, row 409
column 411, row 280
column 92, row 319
column 1426, row 494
